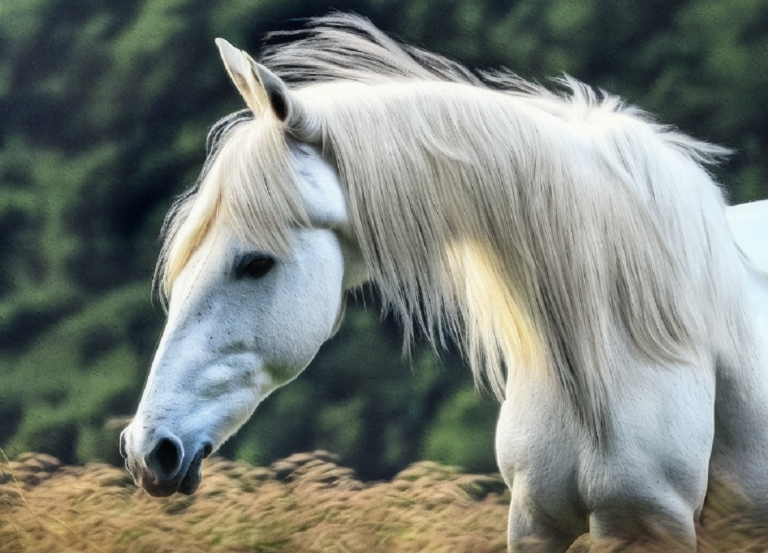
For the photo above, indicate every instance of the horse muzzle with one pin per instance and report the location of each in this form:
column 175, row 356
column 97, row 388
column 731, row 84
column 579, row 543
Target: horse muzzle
column 165, row 469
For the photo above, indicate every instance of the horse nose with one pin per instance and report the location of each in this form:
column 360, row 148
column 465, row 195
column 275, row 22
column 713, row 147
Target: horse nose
column 165, row 459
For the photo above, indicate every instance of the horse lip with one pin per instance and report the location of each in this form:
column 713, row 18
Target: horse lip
column 160, row 492
column 191, row 480
column 185, row 481
column 157, row 489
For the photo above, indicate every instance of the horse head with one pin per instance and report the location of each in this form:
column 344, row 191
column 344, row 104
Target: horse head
column 243, row 318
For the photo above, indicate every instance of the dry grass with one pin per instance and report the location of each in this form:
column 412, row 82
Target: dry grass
column 305, row 503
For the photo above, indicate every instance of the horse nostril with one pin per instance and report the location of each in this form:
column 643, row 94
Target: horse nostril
column 168, row 456
column 207, row 448
column 165, row 458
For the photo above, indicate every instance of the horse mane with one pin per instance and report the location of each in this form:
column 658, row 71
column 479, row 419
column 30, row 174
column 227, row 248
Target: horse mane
column 554, row 234
column 234, row 185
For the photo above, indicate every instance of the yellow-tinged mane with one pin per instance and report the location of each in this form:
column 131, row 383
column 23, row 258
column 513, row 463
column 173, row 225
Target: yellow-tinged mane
column 248, row 184
column 544, row 232
column 500, row 324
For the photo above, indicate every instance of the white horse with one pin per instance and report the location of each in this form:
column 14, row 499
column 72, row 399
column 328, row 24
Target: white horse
column 580, row 253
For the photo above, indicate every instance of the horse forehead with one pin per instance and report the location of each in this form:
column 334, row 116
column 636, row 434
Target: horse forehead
column 318, row 185
column 204, row 265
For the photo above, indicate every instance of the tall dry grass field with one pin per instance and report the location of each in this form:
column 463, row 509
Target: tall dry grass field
column 306, row 503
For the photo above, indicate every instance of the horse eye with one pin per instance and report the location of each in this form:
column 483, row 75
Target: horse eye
column 256, row 267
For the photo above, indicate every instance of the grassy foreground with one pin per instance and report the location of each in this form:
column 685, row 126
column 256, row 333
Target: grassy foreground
column 305, row 503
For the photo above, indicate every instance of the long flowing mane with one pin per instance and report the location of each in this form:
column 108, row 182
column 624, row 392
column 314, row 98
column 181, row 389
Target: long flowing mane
column 555, row 235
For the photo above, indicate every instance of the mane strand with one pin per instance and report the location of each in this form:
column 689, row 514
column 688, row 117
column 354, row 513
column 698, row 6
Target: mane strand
column 255, row 196
column 345, row 47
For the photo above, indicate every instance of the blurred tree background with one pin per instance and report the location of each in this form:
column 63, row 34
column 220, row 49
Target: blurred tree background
column 104, row 108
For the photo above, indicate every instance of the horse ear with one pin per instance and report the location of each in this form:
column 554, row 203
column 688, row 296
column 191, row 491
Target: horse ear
column 240, row 67
column 298, row 120
column 261, row 89
column 280, row 98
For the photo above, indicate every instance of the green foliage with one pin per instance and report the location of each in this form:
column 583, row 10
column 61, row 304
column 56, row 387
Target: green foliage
column 105, row 106
column 461, row 435
column 86, row 368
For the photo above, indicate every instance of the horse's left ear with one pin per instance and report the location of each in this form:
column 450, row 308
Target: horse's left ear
column 258, row 86
column 261, row 89
column 239, row 65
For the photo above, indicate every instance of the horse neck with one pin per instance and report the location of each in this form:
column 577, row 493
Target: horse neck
column 591, row 219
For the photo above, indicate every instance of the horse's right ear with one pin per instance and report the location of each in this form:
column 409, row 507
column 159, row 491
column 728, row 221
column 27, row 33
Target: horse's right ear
column 240, row 67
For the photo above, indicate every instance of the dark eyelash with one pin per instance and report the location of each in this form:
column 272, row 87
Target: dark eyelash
column 253, row 264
